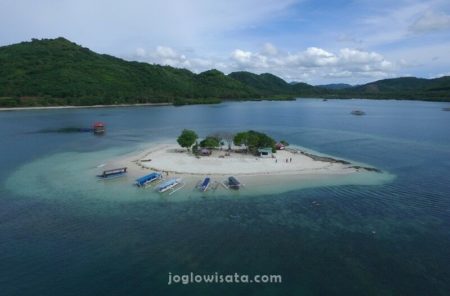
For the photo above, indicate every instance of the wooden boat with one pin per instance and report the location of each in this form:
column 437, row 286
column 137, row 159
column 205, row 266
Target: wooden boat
column 205, row 184
column 147, row 179
column 112, row 174
column 233, row 183
column 173, row 185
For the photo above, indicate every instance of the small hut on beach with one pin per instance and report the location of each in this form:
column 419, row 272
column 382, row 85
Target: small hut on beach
column 265, row 152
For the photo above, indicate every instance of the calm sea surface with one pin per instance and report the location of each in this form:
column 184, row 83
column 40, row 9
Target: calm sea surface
column 63, row 233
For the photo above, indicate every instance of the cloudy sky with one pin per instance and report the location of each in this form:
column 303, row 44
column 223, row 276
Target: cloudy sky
column 313, row 41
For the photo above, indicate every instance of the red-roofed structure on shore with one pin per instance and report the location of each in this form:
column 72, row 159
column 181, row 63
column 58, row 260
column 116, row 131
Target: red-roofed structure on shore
column 280, row 146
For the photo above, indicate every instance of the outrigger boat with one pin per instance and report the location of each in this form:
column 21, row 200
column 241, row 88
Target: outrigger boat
column 112, row 174
column 205, row 184
column 170, row 184
column 233, row 183
column 147, row 179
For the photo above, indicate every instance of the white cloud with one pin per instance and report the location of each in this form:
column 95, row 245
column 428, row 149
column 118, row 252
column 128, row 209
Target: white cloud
column 140, row 52
column 311, row 65
column 315, row 62
column 249, row 59
column 431, row 21
column 269, row 49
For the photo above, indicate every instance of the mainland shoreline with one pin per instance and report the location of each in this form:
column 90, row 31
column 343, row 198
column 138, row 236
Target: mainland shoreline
column 82, row 107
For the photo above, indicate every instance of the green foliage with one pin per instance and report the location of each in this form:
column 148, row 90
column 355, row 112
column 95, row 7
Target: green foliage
column 410, row 88
column 187, row 138
column 284, row 143
column 274, row 87
column 254, row 140
column 56, row 72
column 182, row 102
column 210, row 142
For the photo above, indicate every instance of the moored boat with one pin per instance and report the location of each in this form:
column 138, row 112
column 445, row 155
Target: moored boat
column 147, row 179
column 99, row 128
column 170, row 184
column 233, row 183
column 112, row 174
column 205, row 184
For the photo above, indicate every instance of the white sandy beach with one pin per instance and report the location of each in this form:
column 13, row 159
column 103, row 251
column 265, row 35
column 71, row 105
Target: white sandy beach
column 174, row 160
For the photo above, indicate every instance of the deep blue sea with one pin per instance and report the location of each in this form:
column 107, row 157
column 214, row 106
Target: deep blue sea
column 61, row 234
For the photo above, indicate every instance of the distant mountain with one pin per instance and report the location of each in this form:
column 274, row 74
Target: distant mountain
column 270, row 85
column 59, row 72
column 405, row 88
column 63, row 72
column 266, row 83
column 334, row 86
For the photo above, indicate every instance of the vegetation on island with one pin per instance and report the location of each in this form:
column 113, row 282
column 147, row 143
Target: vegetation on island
column 187, row 138
column 210, row 142
column 254, row 140
column 57, row 72
column 251, row 140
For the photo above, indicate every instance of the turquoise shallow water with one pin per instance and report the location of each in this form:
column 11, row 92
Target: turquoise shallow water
column 83, row 238
column 74, row 173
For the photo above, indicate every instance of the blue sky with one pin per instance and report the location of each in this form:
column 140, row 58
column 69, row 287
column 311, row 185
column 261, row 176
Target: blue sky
column 300, row 40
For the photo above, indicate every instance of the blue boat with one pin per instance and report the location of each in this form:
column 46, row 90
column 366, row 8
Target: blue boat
column 205, row 184
column 233, row 183
column 147, row 179
column 112, row 174
column 169, row 184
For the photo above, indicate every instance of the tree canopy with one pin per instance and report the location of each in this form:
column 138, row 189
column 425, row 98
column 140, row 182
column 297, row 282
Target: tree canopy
column 187, row 138
column 254, row 140
column 210, row 142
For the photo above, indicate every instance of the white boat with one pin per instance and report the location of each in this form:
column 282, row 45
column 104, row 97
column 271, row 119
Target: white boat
column 173, row 184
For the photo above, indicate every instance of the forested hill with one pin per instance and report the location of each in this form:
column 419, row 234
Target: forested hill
column 437, row 89
column 59, row 72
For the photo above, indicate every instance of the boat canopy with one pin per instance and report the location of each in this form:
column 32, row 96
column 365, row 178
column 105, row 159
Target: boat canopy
column 205, row 183
column 233, row 181
column 167, row 183
column 147, row 178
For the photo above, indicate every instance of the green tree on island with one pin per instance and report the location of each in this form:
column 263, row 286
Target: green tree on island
column 187, row 138
column 254, row 140
column 210, row 142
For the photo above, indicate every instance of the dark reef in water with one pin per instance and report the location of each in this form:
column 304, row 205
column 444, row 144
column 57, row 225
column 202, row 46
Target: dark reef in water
column 67, row 130
column 333, row 160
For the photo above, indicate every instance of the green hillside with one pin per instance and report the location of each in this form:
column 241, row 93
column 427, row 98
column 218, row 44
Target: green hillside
column 59, row 72
column 437, row 89
column 265, row 83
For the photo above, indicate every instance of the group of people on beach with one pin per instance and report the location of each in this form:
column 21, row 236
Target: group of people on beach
column 287, row 160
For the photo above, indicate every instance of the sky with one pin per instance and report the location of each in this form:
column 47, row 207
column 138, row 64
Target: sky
column 313, row 41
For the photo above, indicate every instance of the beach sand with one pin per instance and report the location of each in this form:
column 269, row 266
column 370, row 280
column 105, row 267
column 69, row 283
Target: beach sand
column 173, row 159
column 290, row 164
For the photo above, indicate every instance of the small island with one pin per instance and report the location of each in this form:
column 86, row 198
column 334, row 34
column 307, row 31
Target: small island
column 250, row 156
